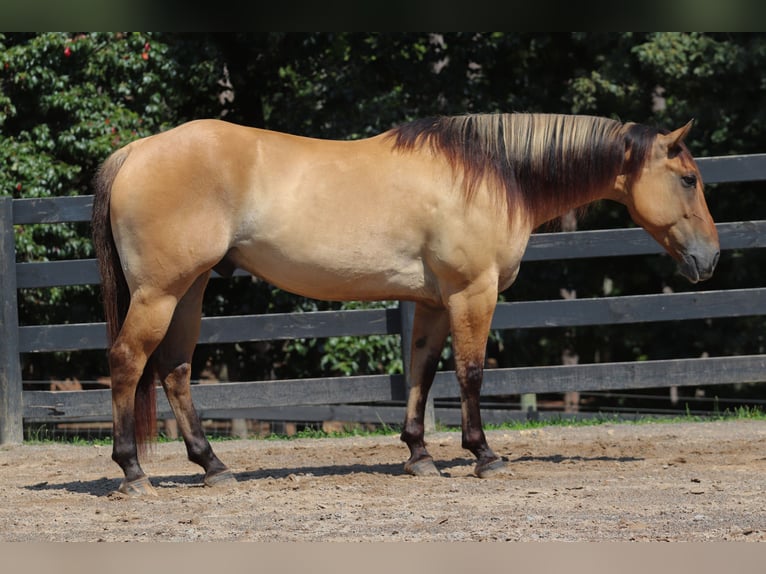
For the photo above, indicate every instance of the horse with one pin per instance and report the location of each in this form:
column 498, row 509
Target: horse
column 437, row 211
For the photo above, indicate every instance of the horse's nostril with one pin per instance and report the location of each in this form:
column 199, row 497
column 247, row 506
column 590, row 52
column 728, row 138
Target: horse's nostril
column 701, row 267
column 695, row 261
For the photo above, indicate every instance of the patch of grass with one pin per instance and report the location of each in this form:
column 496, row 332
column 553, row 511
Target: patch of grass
column 42, row 434
column 739, row 413
column 557, row 421
column 747, row 413
column 351, row 431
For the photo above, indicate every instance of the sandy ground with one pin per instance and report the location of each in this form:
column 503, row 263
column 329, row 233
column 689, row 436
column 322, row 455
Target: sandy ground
column 674, row 482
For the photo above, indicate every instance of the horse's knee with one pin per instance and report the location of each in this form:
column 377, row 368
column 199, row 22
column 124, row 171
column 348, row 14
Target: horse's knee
column 470, row 376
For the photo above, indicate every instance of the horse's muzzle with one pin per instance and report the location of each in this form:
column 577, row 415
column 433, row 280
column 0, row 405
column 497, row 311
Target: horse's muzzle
column 697, row 264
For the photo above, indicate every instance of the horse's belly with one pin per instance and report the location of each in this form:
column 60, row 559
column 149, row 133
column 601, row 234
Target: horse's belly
column 336, row 275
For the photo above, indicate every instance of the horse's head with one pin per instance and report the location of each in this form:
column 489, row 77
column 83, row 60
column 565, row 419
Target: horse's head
column 665, row 196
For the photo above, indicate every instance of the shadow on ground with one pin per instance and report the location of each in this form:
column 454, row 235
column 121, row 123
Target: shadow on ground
column 105, row 486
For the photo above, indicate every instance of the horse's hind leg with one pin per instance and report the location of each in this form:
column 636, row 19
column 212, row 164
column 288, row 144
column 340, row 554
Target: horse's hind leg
column 429, row 331
column 173, row 358
column 147, row 320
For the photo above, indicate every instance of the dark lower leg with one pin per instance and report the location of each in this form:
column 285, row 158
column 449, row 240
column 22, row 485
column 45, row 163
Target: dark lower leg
column 471, row 312
column 413, row 433
column 177, row 388
column 124, row 449
column 173, row 359
column 123, row 366
column 473, row 438
column 430, row 329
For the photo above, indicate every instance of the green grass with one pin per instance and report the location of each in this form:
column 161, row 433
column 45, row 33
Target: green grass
column 45, row 435
column 739, row 413
column 383, row 430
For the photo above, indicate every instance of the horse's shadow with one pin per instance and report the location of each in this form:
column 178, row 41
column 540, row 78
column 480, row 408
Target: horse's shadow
column 558, row 458
column 105, row 486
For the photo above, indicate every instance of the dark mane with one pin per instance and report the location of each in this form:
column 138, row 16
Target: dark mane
column 546, row 163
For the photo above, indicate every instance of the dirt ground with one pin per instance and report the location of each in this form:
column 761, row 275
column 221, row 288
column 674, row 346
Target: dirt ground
column 674, row 482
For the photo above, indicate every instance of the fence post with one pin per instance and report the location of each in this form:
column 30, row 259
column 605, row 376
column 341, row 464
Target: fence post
column 407, row 310
column 11, row 427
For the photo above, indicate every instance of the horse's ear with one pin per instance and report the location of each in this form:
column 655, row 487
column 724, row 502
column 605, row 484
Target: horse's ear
column 674, row 138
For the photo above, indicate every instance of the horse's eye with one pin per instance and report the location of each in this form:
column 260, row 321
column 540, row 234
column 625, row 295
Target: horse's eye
column 689, row 180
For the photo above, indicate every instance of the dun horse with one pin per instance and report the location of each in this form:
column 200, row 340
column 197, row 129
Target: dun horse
column 437, row 211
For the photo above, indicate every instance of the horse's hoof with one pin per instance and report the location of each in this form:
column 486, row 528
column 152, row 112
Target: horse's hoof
column 422, row 467
column 224, row 478
column 139, row 487
column 495, row 467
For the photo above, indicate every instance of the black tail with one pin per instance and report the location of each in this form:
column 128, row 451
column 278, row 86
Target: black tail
column 115, row 293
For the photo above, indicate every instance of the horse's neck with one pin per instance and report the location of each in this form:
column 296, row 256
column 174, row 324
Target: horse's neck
column 555, row 207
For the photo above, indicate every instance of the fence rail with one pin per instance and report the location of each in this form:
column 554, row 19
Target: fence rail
column 236, row 399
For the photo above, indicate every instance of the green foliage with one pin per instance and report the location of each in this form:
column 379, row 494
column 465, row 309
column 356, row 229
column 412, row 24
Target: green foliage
column 363, row 355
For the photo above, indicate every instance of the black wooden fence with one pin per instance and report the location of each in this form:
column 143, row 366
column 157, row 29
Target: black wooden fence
column 335, row 397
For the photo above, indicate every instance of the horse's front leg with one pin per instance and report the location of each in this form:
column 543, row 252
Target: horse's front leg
column 470, row 311
column 429, row 331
